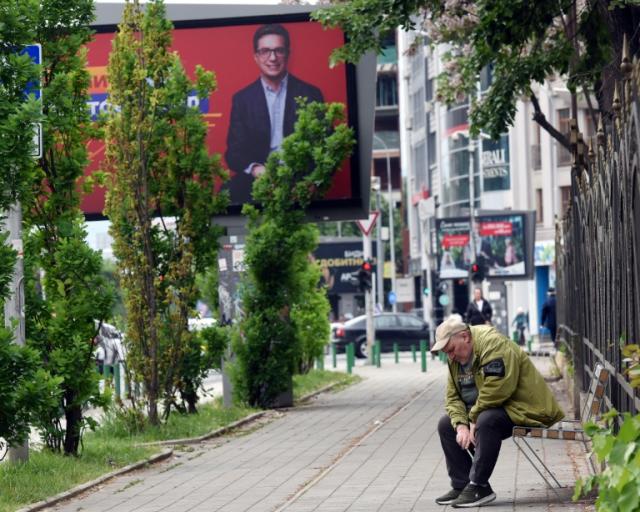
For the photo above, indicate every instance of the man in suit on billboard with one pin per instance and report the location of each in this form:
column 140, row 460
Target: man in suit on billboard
column 264, row 112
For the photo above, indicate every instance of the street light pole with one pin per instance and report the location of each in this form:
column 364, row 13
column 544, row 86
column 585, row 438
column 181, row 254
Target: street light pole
column 375, row 186
column 391, row 233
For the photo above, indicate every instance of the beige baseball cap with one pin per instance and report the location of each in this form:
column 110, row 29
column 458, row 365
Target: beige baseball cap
column 452, row 325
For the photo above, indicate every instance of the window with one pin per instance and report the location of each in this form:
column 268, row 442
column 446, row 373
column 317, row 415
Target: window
column 539, row 212
column 384, row 321
column 565, row 195
column 428, row 82
column 564, row 155
column 386, row 91
column 409, row 321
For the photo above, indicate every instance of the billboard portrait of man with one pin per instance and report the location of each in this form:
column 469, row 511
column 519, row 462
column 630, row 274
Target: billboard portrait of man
column 264, row 112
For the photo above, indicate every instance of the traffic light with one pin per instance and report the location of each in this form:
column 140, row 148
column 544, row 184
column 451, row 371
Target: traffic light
column 477, row 275
column 425, row 290
column 364, row 276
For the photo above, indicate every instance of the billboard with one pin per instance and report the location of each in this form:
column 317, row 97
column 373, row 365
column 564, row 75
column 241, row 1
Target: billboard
column 338, row 261
column 252, row 110
column 500, row 244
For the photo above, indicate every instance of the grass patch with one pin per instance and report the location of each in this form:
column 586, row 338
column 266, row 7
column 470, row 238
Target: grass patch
column 318, row 379
column 211, row 416
column 47, row 474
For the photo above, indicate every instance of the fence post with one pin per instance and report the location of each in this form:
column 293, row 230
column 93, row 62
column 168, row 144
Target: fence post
column 413, row 353
column 423, row 355
column 334, row 356
column 577, row 377
column 395, row 352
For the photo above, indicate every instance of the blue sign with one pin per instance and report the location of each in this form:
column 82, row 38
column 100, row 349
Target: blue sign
column 392, row 297
column 35, row 52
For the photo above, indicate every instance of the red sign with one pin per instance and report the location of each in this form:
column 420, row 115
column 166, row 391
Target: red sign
column 229, row 52
column 455, row 240
column 495, row 228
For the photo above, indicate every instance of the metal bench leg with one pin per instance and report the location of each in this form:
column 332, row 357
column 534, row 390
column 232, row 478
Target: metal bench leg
column 535, row 466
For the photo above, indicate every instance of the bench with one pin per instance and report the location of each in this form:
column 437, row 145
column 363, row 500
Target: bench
column 565, row 430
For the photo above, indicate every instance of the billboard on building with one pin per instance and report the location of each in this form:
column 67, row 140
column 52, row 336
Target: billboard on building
column 238, row 117
column 501, row 247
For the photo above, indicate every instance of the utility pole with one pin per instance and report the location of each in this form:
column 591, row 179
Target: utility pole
column 375, row 186
column 368, row 301
column 14, row 305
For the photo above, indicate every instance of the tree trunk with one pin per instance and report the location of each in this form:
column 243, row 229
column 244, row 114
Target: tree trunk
column 73, row 416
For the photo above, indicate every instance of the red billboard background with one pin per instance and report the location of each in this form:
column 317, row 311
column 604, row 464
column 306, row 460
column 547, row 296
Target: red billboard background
column 228, row 51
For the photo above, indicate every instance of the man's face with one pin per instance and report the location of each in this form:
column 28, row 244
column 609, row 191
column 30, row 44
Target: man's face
column 271, row 56
column 477, row 294
column 459, row 347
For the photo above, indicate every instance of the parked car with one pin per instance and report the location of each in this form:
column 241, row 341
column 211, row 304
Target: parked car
column 404, row 329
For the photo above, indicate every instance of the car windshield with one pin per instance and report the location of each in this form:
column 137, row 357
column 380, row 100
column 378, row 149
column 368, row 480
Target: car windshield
column 356, row 322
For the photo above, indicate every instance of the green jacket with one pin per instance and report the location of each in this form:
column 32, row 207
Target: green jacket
column 505, row 377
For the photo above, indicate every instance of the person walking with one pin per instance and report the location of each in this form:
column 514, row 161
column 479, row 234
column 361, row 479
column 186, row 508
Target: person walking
column 479, row 310
column 521, row 322
column 492, row 386
column 548, row 318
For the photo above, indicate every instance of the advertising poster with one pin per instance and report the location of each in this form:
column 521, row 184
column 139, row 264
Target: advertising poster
column 454, row 255
column 237, row 113
column 338, row 261
column 499, row 244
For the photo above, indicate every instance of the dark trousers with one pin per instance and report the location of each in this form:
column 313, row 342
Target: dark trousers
column 492, row 427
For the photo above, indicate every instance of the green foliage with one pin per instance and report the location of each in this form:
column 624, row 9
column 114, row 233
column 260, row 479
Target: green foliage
column 160, row 165
column 203, row 353
column 618, row 485
column 310, row 317
column 65, row 293
column 26, row 390
column 522, row 41
column 268, row 346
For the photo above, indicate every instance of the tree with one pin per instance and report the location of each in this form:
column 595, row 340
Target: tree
column 523, row 42
column 25, row 388
column 66, row 296
column 278, row 246
column 157, row 152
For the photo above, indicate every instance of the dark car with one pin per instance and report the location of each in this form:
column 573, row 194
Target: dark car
column 402, row 328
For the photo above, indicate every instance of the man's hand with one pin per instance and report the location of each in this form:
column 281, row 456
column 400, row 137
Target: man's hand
column 472, row 431
column 464, row 436
column 258, row 170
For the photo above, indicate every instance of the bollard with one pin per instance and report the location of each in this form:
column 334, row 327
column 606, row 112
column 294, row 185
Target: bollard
column 395, row 352
column 350, row 357
column 413, row 353
column 378, row 350
column 334, row 356
column 529, row 343
column 320, row 363
column 423, row 355
column 116, row 378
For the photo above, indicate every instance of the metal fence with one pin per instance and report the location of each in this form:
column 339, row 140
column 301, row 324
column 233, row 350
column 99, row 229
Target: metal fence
column 598, row 245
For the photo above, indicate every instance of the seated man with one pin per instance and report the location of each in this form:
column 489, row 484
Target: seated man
column 493, row 385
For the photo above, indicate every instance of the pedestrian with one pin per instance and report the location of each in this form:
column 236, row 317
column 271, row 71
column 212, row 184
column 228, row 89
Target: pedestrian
column 548, row 318
column 479, row 310
column 521, row 322
column 492, row 386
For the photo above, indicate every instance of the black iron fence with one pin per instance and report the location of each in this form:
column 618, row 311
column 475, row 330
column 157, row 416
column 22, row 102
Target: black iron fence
column 598, row 246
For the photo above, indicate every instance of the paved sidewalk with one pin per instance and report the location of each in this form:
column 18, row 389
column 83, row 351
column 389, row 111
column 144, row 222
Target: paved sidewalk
column 371, row 447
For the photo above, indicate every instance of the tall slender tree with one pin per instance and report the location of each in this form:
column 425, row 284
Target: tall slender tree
column 66, row 295
column 161, row 168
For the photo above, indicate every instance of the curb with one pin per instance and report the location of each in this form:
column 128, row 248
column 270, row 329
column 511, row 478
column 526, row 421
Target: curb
column 314, row 394
column 53, row 500
column 212, row 434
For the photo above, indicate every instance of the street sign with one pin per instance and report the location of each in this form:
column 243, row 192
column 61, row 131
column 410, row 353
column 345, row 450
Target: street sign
column 36, row 152
column 366, row 225
column 391, row 296
column 35, row 52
